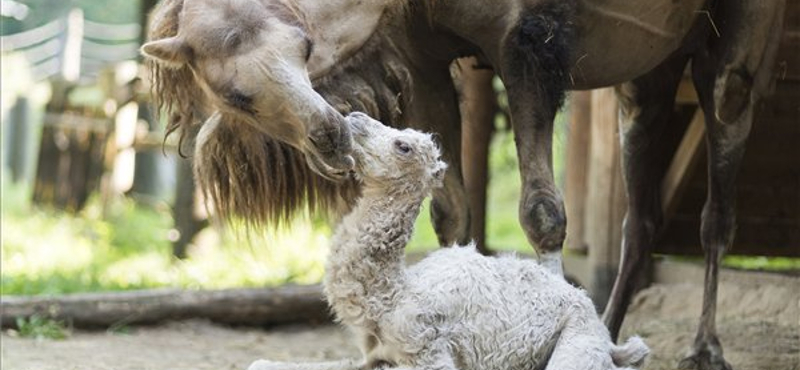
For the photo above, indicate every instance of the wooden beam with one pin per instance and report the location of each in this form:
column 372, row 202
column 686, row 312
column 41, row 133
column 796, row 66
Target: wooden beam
column 575, row 187
column 683, row 164
column 686, row 93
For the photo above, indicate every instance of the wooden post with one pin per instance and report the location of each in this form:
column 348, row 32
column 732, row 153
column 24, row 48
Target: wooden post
column 578, row 142
column 605, row 203
column 478, row 105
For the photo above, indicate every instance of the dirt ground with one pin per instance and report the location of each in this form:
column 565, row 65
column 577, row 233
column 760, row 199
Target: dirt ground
column 759, row 325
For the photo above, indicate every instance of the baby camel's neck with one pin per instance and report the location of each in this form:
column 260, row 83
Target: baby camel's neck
column 366, row 260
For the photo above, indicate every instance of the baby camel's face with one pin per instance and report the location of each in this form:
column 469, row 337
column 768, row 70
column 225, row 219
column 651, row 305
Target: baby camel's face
column 391, row 156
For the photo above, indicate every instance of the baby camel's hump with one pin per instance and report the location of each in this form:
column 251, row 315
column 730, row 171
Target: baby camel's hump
column 496, row 312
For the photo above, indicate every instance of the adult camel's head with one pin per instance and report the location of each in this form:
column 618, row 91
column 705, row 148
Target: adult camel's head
column 245, row 61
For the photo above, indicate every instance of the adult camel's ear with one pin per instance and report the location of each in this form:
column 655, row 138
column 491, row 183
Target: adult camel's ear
column 171, row 51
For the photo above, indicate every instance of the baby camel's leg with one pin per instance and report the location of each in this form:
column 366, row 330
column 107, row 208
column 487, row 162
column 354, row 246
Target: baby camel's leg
column 329, row 365
column 441, row 363
column 433, row 358
column 577, row 352
column 436, row 356
column 586, row 345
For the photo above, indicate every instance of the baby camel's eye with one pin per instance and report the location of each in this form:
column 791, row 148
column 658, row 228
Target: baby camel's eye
column 402, row 147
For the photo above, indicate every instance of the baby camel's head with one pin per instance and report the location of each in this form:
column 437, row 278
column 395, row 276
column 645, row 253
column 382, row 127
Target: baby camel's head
column 390, row 159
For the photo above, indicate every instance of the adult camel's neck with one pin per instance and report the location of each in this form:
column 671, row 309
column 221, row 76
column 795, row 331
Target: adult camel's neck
column 366, row 264
column 339, row 28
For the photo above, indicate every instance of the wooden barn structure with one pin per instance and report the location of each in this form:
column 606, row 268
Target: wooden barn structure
column 768, row 194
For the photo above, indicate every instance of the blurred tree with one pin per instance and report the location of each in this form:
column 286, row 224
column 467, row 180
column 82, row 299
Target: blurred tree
column 147, row 181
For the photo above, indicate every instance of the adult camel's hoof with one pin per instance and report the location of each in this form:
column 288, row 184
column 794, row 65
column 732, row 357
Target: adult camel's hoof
column 704, row 360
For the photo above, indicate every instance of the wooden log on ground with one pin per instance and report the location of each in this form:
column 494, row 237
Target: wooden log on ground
column 258, row 307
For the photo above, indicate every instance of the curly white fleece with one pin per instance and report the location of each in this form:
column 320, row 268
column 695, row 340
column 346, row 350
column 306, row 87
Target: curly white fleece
column 456, row 309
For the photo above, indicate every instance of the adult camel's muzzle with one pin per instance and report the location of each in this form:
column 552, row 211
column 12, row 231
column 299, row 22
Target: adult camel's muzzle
column 330, row 144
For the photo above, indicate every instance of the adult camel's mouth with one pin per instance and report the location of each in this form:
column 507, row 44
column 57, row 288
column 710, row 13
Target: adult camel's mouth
column 330, row 147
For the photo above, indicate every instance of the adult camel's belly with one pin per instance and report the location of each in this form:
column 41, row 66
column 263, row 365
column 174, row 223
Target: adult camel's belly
column 618, row 40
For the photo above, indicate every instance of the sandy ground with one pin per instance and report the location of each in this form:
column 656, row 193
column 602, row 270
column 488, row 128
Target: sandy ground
column 759, row 327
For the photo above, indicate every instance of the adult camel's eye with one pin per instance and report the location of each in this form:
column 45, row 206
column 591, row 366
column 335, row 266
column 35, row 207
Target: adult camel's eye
column 402, row 147
column 239, row 100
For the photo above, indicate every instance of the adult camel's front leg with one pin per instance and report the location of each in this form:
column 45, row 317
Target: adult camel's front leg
column 534, row 67
column 730, row 76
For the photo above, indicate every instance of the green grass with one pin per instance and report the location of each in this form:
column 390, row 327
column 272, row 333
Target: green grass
column 755, row 263
column 38, row 327
column 762, row 263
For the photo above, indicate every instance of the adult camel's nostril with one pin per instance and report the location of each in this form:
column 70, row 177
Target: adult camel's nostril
column 331, row 142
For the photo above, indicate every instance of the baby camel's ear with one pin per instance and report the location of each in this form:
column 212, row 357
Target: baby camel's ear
column 171, row 52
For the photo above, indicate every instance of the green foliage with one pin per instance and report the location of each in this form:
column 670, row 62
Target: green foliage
column 48, row 252
column 39, row 327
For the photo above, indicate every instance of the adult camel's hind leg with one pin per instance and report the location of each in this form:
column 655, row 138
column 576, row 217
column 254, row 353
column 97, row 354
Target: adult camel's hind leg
column 730, row 76
column 646, row 104
column 534, row 65
column 434, row 108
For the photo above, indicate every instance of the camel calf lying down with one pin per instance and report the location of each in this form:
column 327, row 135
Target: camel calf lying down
column 455, row 309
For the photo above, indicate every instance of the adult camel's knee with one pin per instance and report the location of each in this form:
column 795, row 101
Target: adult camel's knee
column 450, row 212
column 544, row 220
column 732, row 93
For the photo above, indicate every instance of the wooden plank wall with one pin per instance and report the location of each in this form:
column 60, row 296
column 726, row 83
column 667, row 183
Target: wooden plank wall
column 768, row 194
column 768, row 186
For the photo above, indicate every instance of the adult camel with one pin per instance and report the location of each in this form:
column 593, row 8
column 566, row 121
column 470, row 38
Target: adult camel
column 257, row 70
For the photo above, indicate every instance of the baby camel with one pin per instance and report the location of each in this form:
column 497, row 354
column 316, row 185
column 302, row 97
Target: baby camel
column 455, row 309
